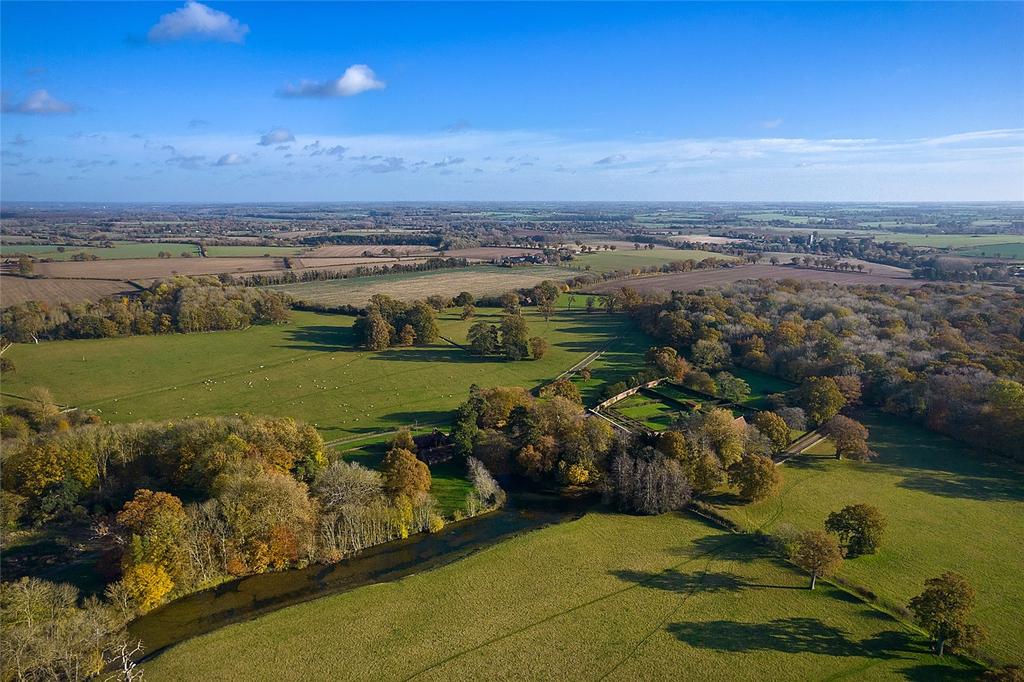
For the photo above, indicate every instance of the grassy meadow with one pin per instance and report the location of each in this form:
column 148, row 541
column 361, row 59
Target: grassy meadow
column 625, row 259
column 309, row 369
column 946, row 510
column 118, row 251
column 622, row 597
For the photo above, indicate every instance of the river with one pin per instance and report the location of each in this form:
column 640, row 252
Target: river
column 246, row 598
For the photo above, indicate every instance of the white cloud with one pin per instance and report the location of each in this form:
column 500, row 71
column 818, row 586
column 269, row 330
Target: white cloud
column 356, row 79
column 39, row 103
column 276, row 136
column 196, row 20
column 230, row 160
column 772, row 123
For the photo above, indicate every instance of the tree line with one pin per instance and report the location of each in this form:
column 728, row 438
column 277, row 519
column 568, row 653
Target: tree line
column 181, row 304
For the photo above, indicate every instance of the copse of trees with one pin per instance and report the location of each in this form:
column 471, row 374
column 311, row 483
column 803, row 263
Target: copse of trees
column 388, row 322
column 181, row 304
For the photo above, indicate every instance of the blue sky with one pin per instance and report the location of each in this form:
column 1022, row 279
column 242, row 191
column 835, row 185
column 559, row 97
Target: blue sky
column 431, row 101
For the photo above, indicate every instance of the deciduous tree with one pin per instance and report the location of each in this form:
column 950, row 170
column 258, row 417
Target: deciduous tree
column 818, row 553
column 943, row 608
column 859, row 528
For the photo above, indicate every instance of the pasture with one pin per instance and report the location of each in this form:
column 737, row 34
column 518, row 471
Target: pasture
column 946, row 510
column 308, row 369
column 1013, row 251
column 409, row 286
column 119, row 250
column 622, row 598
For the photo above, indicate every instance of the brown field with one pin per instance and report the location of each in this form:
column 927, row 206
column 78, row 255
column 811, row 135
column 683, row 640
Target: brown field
column 155, row 268
column 480, row 281
column 14, row 290
column 703, row 279
column 307, row 263
column 492, row 252
column 356, row 250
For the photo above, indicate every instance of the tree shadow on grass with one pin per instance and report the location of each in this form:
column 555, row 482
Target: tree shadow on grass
column 788, row 635
column 321, row 338
column 672, row 580
column 986, row 488
column 930, row 672
column 447, row 354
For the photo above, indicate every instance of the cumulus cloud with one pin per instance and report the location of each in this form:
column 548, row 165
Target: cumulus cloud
column 276, row 136
column 382, row 164
column 196, row 20
column 39, row 103
column 356, row 79
column 449, row 161
column 230, row 160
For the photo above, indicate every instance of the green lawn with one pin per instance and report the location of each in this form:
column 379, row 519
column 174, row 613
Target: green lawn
column 945, row 510
column 761, row 386
column 247, row 250
column 449, row 484
column 117, row 251
column 607, row 596
column 308, row 369
column 626, row 259
column 653, row 413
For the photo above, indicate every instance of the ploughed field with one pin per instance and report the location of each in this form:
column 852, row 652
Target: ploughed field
column 409, row 286
column 608, row 596
column 156, row 268
column 309, row 369
column 946, row 510
column 701, row 279
column 14, row 290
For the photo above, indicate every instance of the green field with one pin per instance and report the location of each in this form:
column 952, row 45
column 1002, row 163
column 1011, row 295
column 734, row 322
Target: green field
column 307, row 369
column 1005, row 250
column 937, row 241
column 119, row 250
column 626, row 259
column 449, row 484
column 621, row 597
column 651, row 412
column 946, row 511
column 244, row 250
